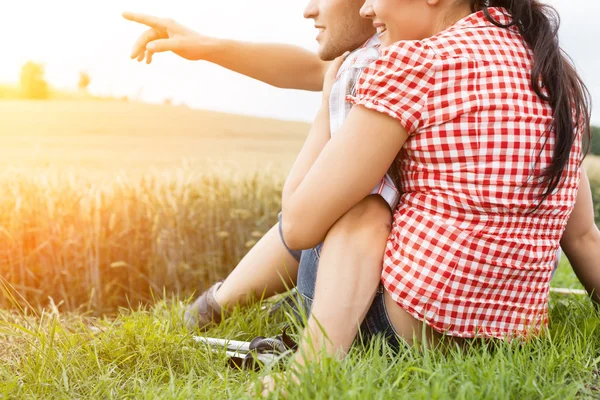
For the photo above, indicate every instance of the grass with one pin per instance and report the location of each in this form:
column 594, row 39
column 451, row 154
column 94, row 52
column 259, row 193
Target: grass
column 148, row 354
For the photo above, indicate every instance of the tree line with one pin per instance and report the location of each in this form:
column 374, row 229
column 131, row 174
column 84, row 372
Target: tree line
column 595, row 148
column 33, row 84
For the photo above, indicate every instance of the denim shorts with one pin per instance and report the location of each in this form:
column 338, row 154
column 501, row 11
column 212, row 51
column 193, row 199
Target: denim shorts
column 294, row 253
column 376, row 323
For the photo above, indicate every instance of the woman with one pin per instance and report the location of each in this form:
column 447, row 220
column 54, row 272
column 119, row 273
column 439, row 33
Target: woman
column 488, row 119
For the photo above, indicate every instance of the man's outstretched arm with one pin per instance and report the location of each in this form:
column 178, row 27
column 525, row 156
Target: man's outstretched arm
column 279, row 65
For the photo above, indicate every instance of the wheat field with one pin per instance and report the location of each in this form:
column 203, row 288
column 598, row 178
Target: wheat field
column 107, row 204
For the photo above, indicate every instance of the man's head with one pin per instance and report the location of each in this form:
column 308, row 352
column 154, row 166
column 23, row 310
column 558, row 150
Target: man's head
column 341, row 28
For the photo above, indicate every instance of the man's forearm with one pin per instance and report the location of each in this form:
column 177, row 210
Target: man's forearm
column 316, row 142
column 279, row 65
column 317, row 138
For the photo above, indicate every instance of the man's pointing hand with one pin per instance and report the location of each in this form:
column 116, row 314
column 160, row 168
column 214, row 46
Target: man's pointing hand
column 165, row 35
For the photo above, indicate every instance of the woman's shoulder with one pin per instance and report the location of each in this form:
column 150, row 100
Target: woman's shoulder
column 406, row 53
column 477, row 38
column 474, row 37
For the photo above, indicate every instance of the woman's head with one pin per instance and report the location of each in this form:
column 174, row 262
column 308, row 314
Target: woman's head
column 397, row 20
column 553, row 77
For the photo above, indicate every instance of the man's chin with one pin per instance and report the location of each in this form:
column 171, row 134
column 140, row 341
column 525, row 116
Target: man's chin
column 327, row 53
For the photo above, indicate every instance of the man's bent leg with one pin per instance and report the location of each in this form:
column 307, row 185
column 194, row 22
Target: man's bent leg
column 267, row 269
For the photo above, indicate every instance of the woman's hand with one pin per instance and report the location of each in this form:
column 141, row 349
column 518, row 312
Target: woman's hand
column 166, row 35
column 331, row 75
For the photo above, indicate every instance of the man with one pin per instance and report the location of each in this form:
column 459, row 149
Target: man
column 270, row 267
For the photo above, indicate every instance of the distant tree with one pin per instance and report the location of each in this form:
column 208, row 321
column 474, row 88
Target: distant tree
column 595, row 149
column 33, row 83
column 84, row 81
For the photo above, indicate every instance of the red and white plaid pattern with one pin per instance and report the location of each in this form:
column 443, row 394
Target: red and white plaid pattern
column 468, row 252
column 339, row 107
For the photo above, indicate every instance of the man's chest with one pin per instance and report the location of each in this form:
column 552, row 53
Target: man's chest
column 353, row 66
column 345, row 84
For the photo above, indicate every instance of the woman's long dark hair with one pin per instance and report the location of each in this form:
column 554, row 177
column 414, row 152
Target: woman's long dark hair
column 553, row 78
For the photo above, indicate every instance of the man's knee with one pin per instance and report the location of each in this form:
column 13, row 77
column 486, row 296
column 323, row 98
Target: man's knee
column 372, row 214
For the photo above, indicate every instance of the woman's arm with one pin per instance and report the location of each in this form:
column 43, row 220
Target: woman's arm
column 279, row 65
column 581, row 240
column 346, row 171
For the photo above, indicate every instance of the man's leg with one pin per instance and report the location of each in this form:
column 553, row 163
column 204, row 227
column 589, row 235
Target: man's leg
column 267, row 269
column 348, row 275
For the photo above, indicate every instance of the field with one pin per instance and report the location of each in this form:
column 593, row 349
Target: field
column 108, row 137
column 113, row 214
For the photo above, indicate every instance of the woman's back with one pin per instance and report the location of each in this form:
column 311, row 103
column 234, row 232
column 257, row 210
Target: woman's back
column 484, row 140
column 471, row 226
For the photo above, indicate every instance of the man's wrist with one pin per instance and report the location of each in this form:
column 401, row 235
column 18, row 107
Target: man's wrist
column 209, row 48
column 325, row 97
column 324, row 109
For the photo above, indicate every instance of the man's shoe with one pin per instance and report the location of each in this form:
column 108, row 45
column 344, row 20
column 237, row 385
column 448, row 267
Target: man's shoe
column 205, row 311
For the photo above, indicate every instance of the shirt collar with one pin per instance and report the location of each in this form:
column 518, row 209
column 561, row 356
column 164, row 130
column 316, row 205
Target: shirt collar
column 372, row 42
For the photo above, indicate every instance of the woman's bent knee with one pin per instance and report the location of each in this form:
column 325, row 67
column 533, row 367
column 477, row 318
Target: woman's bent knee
column 371, row 213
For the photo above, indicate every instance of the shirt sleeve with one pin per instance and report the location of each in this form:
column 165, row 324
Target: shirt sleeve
column 398, row 83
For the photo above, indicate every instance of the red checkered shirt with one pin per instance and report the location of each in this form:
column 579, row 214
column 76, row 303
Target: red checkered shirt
column 469, row 253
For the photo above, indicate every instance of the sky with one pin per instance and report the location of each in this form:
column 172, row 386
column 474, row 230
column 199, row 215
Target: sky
column 69, row 36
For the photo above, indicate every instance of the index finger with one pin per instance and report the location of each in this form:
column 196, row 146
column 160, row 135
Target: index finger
column 149, row 20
